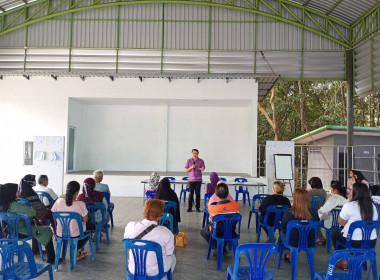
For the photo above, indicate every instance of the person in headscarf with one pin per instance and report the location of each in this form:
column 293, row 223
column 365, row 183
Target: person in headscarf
column 8, row 203
column 26, row 191
column 214, row 178
column 316, row 187
column 89, row 194
column 165, row 192
column 153, row 182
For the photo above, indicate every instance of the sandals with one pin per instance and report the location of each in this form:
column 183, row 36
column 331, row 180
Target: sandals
column 287, row 257
column 81, row 255
column 321, row 241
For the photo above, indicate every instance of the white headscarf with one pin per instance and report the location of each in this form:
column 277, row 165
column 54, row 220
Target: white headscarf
column 153, row 182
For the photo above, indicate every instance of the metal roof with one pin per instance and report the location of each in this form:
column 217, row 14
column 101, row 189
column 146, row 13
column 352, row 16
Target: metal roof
column 347, row 11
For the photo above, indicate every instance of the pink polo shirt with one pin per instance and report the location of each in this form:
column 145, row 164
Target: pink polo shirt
column 195, row 175
column 161, row 235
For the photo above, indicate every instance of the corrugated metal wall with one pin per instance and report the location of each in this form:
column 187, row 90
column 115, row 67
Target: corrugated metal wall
column 172, row 38
column 367, row 67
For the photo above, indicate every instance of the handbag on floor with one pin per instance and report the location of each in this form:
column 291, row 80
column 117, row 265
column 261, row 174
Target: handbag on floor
column 181, row 239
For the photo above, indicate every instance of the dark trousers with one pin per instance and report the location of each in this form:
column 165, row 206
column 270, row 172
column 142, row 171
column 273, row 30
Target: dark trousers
column 49, row 250
column 195, row 186
column 337, row 235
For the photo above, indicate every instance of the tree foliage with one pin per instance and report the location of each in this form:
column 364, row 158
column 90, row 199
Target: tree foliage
column 315, row 105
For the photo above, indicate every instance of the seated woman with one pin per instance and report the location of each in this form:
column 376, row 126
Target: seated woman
column 8, row 203
column 276, row 198
column 337, row 198
column 215, row 199
column 300, row 210
column 316, row 187
column 70, row 204
column 356, row 176
column 153, row 183
column 360, row 207
column 26, row 191
column 210, row 187
column 165, row 192
column 160, row 234
column 89, row 194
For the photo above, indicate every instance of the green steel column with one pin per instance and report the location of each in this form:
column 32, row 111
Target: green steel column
column 302, row 51
column 372, row 71
column 255, row 52
column 350, row 105
column 117, row 38
column 26, row 39
column 71, row 38
column 209, row 40
column 162, row 38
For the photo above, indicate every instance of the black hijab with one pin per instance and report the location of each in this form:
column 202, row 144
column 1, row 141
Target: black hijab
column 7, row 196
column 27, row 192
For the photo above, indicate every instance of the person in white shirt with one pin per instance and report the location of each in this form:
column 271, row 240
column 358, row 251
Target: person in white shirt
column 153, row 210
column 42, row 186
column 360, row 207
column 337, row 198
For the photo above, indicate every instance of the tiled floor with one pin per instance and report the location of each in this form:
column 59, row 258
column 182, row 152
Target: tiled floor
column 191, row 260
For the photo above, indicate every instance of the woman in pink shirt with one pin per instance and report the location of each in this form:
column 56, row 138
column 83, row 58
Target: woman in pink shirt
column 70, row 204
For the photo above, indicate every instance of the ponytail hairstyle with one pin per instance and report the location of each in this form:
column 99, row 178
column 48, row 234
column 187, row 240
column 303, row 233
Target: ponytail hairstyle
column 72, row 188
column 361, row 194
column 336, row 185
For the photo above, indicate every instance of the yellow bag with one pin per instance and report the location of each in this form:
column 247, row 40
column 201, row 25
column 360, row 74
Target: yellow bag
column 181, row 239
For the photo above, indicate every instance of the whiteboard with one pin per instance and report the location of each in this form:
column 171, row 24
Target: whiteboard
column 283, row 166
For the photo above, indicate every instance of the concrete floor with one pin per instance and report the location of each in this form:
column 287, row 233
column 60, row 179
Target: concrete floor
column 191, row 260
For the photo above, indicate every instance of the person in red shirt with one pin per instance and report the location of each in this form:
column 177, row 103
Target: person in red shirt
column 222, row 207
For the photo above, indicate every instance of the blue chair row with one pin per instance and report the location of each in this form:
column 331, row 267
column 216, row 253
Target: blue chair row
column 241, row 190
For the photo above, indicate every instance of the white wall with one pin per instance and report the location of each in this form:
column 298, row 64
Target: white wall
column 40, row 107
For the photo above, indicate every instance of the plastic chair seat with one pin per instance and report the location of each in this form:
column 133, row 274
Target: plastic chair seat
column 240, row 190
column 23, row 272
column 257, row 256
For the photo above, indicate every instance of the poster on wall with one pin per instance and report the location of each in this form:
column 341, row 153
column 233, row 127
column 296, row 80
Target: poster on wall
column 49, row 160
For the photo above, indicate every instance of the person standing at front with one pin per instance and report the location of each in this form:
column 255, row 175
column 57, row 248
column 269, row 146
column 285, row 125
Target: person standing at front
column 195, row 166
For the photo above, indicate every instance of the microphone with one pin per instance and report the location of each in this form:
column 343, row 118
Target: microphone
column 194, row 163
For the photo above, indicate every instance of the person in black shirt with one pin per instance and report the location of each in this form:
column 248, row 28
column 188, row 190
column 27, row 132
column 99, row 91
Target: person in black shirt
column 276, row 198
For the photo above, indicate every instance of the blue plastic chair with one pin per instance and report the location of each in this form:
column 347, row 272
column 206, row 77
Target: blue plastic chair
column 317, row 201
column 93, row 208
column 277, row 211
column 257, row 256
column 259, row 198
column 65, row 218
column 166, row 220
column 43, row 195
column 23, row 201
column 304, row 228
column 205, row 211
column 334, row 226
column 239, row 189
column 355, row 258
column 172, row 205
column 9, row 229
column 171, row 179
column 140, row 249
column 184, row 190
column 20, row 269
column 366, row 228
column 150, row 195
column 110, row 207
column 231, row 223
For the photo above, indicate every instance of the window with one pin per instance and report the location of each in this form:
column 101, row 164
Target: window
column 28, row 153
column 71, row 149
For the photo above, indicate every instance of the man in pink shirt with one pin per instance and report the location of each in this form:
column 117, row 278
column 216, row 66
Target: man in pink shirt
column 195, row 166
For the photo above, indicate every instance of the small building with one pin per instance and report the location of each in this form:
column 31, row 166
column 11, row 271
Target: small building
column 327, row 153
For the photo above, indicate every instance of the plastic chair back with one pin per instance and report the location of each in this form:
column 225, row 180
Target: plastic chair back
column 150, row 195
column 139, row 250
column 9, row 225
column 240, row 180
column 205, row 209
column 366, row 228
column 65, row 219
column 222, row 179
column 23, row 201
column 46, row 195
column 278, row 211
column 172, row 205
column 230, row 222
column 355, row 259
column 259, row 199
column 166, row 220
column 171, row 179
column 107, row 196
column 185, row 178
column 304, row 228
column 316, row 201
column 257, row 256
column 92, row 208
column 335, row 214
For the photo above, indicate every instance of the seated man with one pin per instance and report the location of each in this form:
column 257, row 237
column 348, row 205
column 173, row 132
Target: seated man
column 100, row 187
column 43, row 181
column 223, row 206
column 160, row 234
column 276, row 198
